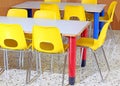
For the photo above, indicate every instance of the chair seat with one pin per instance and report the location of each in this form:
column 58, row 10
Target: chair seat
column 29, row 44
column 89, row 16
column 94, row 44
column 85, row 42
column 49, row 47
column 28, row 36
column 104, row 18
column 88, row 42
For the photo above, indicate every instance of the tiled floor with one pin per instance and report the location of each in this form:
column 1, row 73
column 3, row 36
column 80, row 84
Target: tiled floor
column 87, row 76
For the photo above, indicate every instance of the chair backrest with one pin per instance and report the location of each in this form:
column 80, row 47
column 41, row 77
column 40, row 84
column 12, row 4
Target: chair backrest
column 89, row 1
column 52, row 0
column 47, row 39
column 22, row 13
column 45, row 14
column 102, row 36
column 111, row 10
column 12, row 37
column 74, row 11
column 51, row 7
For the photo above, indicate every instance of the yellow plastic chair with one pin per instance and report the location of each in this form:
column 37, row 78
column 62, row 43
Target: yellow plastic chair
column 74, row 11
column 89, row 1
column 51, row 7
column 12, row 38
column 109, row 16
column 19, row 13
column 47, row 40
column 43, row 14
column 52, row 0
column 110, row 13
column 95, row 44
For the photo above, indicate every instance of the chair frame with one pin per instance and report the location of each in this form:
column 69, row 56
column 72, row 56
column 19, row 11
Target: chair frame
column 29, row 80
column 113, row 3
column 97, row 62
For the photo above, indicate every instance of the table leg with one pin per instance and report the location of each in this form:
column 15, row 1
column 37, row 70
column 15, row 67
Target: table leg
column 101, row 23
column 84, row 34
column 72, row 60
column 29, row 12
column 96, row 25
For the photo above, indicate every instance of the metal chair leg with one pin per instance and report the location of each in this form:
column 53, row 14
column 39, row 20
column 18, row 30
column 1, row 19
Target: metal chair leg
column 6, row 63
column 51, row 64
column 40, row 66
column 64, row 70
column 20, row 60
column 28, row 68
column 112, row 33
column 105, row 58
column 5, row 60
column 36, row 56
column 98, row 65
column 58, row 63
column 38, row 61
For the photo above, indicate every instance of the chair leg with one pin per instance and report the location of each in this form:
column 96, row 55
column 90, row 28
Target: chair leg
column 38, row 62
column 112, row 33
column 98, row 65
column 28, row 79
column 40, row 66
column 20, row 60
column 51, row 64
column 5, row 60
column 28, row 68
column 6, row 63
column 64, row 70
column 105, row 58
column 36, row 57
column 58, row 63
